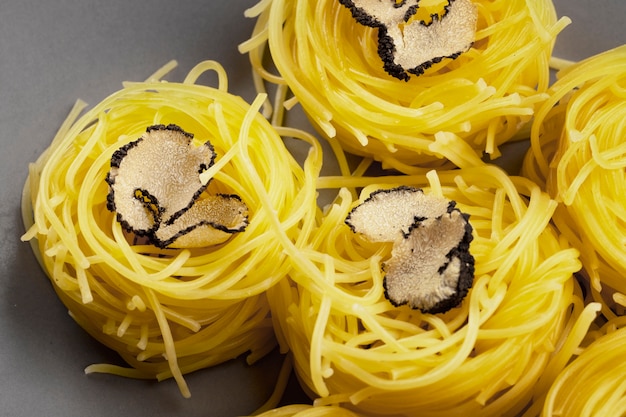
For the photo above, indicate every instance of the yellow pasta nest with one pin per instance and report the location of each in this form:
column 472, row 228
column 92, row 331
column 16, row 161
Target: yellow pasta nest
column 593, row 384
column 306, row 410
column 493, row 355
column 578, row 151
column 331, row 64
column 169, row 311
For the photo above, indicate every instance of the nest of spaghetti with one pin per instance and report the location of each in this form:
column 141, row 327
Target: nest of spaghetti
column 578, row 152
column 334, row 58
column 494, row 351
column 186, row 291
column 593, row 383
column 307, row 410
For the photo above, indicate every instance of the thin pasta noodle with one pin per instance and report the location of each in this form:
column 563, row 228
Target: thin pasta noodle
column 307, row 410
column 331, row 66
column 168, row 312
column 577, row 153
column 353, row 349
column 593, row 383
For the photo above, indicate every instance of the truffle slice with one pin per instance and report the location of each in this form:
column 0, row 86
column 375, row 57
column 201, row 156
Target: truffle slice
column 210, row 221
column 431, row 268
column 154, row 187
column 155, row 178
column 388, row 215
column 415, row 34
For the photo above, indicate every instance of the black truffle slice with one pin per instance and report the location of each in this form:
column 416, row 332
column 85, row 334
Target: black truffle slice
column 210, row 221
column 154, row 187
column 413, row 37
column 388, row 215
column 431, row 268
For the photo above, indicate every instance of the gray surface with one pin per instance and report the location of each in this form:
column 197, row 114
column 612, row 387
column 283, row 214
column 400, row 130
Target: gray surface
column 52, row 53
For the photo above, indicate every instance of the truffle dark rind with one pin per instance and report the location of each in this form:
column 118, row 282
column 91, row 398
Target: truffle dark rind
column 412, row 14
column 386, row 46
column 154, row 187
column 431, row 267
column 387, row 52
column 410, row 45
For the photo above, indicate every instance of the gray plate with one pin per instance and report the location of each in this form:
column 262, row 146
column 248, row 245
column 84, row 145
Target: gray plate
column 52, row 53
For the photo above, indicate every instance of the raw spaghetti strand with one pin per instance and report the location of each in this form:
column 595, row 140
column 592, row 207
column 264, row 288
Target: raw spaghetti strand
column 168, row 312
column 330, row 64
column 353, row 349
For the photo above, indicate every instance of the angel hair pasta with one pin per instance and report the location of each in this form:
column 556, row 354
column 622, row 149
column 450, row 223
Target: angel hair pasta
column 491, row 355
column 578, row 149
column 169, row 310
column 307, row 410
column 483, row 93
column 593, row 384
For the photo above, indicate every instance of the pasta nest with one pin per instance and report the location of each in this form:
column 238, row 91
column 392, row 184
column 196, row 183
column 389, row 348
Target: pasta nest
column 593, row 383
column 331, row 65
column 491, row 356
column 578, row 152
column 307, row 410
column 169, row 311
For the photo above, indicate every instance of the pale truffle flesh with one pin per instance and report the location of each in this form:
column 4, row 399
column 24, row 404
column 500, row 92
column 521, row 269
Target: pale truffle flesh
column 388, row 215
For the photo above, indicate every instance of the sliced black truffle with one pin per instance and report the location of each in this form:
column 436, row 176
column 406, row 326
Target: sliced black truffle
column 154, row 187
column 209, row 221
column 388, row 215
column 431, row 267
column 413, row 35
